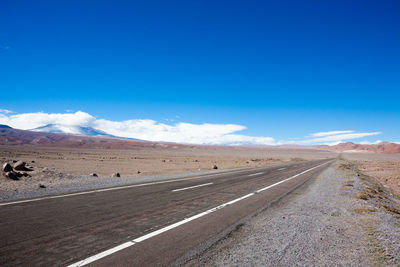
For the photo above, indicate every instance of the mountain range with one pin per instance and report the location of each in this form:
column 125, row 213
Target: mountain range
column 380, row 148
column 76, row 136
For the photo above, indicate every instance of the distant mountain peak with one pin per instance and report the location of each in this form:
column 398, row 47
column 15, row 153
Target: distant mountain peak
column 71, row 129
column 3, row 126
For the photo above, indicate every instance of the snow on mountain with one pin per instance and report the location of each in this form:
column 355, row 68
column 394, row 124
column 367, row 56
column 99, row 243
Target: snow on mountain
column 68, row 129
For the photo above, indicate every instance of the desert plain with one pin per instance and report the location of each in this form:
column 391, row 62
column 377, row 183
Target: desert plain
column 55, row 165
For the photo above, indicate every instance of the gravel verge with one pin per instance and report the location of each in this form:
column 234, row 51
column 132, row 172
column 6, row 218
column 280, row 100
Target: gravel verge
column 323, row 223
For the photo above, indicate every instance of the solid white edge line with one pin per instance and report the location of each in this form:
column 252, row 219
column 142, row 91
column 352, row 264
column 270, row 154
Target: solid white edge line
column 190, row 187
column 103, row 254
column 169, row 227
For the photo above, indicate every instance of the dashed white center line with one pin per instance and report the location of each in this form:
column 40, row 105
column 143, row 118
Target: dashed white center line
column 281, row 169
column 190, row 187
column 113, row 188
column 253, row 174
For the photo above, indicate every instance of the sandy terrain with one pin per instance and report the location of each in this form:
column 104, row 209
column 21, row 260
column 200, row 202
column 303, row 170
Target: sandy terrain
column 104, row 162
column 383, row 167
column 56, row 166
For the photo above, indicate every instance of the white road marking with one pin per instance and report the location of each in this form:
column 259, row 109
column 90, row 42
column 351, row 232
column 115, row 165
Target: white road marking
column 114, row 188
column 190, row 187
column 281, row 169
column 253, row 174
column 172, row 226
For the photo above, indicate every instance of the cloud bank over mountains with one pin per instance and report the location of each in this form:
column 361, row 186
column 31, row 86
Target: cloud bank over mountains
column 146, row 129
column 336, row 137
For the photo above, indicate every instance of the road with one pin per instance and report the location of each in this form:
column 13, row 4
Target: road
column 158, row 223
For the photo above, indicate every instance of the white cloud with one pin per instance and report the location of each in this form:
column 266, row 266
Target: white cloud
column 330, row 133
column 6, row 111
column 339, row 137
column 335, row 137
column 151, row 130
column 27, row 121
column 145, row 129
column 181, row 132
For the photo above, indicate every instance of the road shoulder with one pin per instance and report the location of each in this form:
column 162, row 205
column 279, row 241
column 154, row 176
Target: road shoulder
column 324, row 222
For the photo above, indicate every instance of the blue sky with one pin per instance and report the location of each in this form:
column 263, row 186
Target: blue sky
column 281, row 69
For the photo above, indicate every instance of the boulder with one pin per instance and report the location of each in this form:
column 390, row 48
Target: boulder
column 11, row 175
column 94, row 174
column 7, row 167
column 215, row 167
column 20, row 165
column 116, row 174
column 42, row 186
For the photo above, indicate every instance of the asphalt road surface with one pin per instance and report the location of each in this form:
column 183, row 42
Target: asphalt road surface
column 158, row 223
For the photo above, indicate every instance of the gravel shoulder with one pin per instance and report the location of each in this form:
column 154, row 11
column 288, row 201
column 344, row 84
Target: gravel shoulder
column 326, row 222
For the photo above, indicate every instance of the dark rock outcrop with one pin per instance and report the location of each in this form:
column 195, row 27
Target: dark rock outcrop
column 7, row 167
column 20, row 165
column 11, row 175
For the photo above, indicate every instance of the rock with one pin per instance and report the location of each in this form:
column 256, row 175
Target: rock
column 138, row 172
column 94, row 174
column 19, row 174
column 116, row 174
column 42, row 186
column 14, row 161
column 215, row 167
column 7, row 167
column 20, row 165
column 11, row 175
column 32, row 161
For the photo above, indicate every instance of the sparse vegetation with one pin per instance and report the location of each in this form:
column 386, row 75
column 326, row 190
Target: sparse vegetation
column 368, row 210
column 370, row 190
column 362, row 195
column 343, row 166
column 390, row 208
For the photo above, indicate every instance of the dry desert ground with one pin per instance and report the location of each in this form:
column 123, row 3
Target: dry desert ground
column 383, row 167
column 53, row 166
